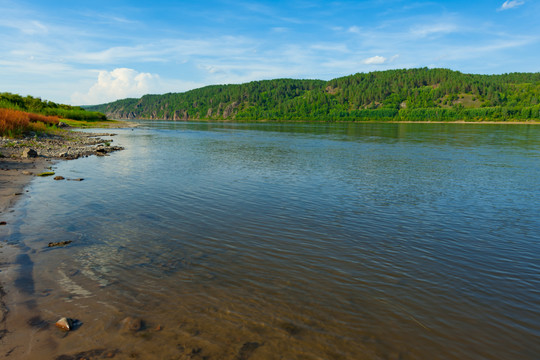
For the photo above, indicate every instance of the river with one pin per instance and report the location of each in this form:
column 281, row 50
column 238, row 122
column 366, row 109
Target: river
column 285, row 241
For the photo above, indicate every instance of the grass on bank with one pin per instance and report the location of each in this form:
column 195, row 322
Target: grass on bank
column 16, row 123
column 89, row 123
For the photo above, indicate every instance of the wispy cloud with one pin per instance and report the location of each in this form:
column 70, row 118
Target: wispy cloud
column 510, row 4
column 434, row 29
column 331, row 47
column 354, row 30
column 30, row 27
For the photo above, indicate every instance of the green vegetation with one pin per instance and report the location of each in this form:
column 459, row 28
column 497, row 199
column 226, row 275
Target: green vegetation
column 48, row 108
column 394, row 95
column 23, row 115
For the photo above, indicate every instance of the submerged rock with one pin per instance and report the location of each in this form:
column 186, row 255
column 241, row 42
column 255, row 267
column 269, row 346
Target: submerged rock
column 131, row 324
column 61, row 243
column 65, row 324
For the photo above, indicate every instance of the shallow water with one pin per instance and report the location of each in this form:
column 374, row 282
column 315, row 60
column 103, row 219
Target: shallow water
column 288, row 241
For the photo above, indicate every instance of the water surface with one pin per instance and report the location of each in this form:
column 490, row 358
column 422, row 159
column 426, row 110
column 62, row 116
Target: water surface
column 290, row 241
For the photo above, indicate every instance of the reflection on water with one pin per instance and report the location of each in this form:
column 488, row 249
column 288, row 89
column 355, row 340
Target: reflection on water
column 296, row 241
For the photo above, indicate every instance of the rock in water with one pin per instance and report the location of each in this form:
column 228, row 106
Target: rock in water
column 131, row 324
column 65, row 324
column 61, row 243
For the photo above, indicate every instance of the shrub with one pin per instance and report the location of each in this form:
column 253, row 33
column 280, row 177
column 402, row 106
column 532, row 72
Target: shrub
column 12, row 122
column 37, row 127
column 15, row 123
column 50, row 120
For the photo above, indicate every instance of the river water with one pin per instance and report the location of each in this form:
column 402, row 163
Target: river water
column 284, row 241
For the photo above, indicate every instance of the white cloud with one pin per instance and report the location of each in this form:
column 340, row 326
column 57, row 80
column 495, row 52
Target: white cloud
column 117, row 84
column 509, row 4
column 375, row 60
column 379, row 60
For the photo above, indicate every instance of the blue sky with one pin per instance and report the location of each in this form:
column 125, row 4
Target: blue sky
column 89, row 52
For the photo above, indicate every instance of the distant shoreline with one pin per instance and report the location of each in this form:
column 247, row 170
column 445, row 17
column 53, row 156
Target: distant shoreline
column 338, row 122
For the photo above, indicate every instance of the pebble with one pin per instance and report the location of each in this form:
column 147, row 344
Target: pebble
column 65, row 324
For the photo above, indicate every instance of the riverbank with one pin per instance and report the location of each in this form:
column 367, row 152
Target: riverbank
column 21, row 159
column 297, row 121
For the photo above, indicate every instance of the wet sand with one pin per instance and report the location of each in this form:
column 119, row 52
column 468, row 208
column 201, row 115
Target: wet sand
column 16, row 172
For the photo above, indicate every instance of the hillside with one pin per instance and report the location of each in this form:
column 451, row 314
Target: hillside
column 414, row 95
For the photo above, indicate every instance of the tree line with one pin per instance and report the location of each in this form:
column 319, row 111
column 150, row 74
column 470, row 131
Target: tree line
column 401, row 95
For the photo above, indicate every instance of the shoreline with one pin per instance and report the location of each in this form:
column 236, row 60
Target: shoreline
column 23, row 159
column 510, row 122
column 15, row 175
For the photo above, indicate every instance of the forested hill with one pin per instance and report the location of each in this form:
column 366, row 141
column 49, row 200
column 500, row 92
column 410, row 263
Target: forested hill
column 415, row 94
